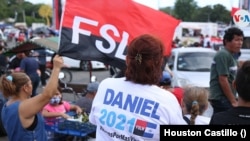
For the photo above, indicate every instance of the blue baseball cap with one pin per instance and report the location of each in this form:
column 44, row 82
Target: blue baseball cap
column 166, row 78
column 92, row 87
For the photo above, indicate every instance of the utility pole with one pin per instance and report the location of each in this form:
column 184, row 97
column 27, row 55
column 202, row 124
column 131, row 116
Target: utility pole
column 208, row 16
column 16, row 14
column 24, row 17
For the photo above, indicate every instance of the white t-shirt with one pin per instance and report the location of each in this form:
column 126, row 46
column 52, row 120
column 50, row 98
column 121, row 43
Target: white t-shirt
column 200, row 120
column 123, row 110
column 206, row 40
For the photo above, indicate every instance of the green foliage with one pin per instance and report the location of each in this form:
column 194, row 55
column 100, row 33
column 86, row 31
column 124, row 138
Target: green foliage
column 168, row 10
column 187, row 10
column 85, row 117
column 220, row 13
column 30, row 20
column 203, row 14
column 184, row 9
column 19, row 9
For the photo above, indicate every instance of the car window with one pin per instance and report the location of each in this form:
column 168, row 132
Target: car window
column 171, row 61
column 195, row 61
column 246, row 43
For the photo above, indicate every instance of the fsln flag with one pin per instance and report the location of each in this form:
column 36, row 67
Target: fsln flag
column 102, row 29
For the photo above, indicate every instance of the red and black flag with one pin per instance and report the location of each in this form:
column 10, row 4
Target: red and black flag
column 102, row 29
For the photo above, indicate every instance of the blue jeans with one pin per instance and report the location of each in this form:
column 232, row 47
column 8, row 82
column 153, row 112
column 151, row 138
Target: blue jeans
column 221, row 105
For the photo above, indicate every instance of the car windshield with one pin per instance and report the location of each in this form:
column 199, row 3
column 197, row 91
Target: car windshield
column 195, row 61
column 246, row 43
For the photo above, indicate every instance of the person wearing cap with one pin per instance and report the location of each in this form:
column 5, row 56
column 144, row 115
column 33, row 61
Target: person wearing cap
column 165, row 83
column 86, row 101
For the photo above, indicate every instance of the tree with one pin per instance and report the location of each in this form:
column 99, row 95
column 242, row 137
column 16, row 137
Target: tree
column 216, row 13
column 203, row 14
column 19, row 11
column 187, row 10
column 3, row 8
column 168, row 10
column 183, row 9
column 220, row 14
column 45, row 11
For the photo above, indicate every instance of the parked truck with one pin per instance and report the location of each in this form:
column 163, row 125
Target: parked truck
column 191, row 31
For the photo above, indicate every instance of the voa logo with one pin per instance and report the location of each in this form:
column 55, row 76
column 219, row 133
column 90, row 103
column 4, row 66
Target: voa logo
column 241, row 18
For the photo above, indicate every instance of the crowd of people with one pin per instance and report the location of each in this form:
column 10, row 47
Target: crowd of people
column 141, row 98
column 205, row 41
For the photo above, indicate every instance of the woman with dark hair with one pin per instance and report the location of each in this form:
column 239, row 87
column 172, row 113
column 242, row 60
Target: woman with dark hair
column 57, row 107
column 126, row 106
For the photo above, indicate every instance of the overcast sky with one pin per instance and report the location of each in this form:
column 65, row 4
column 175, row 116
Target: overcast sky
column 164, row 3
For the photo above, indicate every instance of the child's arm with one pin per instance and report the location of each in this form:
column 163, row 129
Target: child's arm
column 76, row 108
column 47, row 114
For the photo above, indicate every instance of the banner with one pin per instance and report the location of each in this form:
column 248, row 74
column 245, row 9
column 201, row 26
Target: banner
column 102, row 29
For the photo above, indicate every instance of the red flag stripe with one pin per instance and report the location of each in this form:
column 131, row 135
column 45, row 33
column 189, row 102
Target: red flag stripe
column 124, row 15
